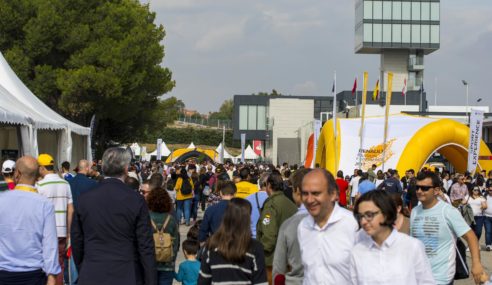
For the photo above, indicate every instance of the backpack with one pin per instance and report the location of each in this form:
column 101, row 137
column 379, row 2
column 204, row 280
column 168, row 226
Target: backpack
column 163, row 243
column 186, row 187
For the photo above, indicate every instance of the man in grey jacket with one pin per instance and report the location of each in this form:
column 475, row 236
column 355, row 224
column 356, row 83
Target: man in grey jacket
column 287, row 263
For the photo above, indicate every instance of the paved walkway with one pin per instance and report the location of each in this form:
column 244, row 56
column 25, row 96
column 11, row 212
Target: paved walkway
column 485, row 255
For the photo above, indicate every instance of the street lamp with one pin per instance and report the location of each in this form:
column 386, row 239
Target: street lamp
column 466, row 110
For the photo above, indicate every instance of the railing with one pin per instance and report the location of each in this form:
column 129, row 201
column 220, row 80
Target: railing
column 206, row 122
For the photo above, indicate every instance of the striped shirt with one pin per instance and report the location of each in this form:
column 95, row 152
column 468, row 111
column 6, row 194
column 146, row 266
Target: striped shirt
column 57, row 190
column 216, row 270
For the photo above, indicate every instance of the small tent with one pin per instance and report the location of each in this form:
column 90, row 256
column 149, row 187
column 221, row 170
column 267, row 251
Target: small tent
column 226, row 154
column 136, row 149
column 249, row 154
column 192, row 145
column 164, row 151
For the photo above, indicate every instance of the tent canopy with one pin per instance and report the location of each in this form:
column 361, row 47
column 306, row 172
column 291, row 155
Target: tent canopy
column 249, row 154
column 164, row 150
column 192, row 145
column 227, row 155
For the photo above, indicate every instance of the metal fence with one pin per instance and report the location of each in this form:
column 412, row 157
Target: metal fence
column 206, row 122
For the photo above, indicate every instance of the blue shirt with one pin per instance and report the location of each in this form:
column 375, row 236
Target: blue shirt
column 366, row 186
column 188, row 272
column 28, row 239
column 255, row 208
column 79, row 185
column 211, row 220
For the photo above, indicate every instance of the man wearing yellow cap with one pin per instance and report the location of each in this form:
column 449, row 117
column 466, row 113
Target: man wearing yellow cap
column 58, row 191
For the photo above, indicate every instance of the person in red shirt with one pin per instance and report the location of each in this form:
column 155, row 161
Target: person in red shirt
column 8, row 167
column 342, row 186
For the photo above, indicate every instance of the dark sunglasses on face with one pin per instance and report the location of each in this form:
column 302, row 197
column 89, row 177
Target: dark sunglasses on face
column 424, row 188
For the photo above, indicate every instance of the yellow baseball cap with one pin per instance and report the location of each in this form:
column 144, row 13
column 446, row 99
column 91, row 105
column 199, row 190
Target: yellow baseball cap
column 45, row 160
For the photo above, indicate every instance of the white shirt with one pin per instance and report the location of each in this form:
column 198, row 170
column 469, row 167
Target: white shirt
column 58, row 191
column 325, row 252
column 488, row 212
column 476, row 205
column 355, row 186
column 399, row 260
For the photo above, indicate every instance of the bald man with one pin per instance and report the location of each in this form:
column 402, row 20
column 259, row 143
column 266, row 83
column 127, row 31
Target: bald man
column 81, row 183
column 29, row 251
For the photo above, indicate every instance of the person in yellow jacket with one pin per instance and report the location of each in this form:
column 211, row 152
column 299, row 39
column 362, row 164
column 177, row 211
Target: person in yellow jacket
column 184, row 195
column 244, row 187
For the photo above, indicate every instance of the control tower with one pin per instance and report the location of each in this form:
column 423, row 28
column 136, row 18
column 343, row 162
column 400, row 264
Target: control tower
column 402, row 32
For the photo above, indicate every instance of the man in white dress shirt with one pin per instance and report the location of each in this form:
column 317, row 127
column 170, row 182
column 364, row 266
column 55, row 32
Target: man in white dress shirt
column 328, row 234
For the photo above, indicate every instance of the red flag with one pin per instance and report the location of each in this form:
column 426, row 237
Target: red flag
column 355, row 87
column 257, row 147
column 404, row 88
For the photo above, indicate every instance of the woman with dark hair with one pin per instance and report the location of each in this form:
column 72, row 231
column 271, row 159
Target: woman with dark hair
column 184, row 195
column 402, row 222
column 383, row 255
column 161, row 207
column 231, row 255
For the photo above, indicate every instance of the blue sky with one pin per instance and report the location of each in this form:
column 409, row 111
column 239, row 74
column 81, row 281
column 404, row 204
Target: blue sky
column 218, row 48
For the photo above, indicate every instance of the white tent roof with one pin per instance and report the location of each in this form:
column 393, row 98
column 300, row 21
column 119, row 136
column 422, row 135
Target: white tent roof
column 192, row 145
column 249, row 154
column 135, row 148
column 164, row 150
column 19, row 98
column 226, row 154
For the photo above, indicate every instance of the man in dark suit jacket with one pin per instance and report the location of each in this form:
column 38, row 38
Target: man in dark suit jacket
column 81, row 183
column 111, row 234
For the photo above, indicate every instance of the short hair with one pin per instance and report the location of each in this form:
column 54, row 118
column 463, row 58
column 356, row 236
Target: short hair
column 411, row 171
column 340, row 174
column 159, row 201
column 49, row 167
column 132, row 183
column 156, row 180
column 275, row 181
column 228, row 188
column 436, row 182
column 191, row 246
column 244, row 173
column 287, row 173
column 332, row 187
column 296, row 179
column 374, row 165
column 383, row 201
column 359, row 172
column 65, row 165
column 114, row 161
column 194, row 231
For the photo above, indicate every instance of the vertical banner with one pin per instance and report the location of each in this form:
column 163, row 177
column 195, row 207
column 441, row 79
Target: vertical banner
column 386, row 114
column 222, row 150
column 363, row 117
column 257, row 147
column 317, row 131
column 159, row 150
column 476, row 122
column 243, row 144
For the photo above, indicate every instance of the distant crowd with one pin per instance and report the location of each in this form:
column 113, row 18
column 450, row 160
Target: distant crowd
column 118, row 221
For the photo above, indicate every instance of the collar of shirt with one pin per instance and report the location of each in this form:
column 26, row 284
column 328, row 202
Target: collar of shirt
column 302, row 210
column 51, row 175
column 25, row 187
column 334, row 217
column 390, row 240
column 276, row 193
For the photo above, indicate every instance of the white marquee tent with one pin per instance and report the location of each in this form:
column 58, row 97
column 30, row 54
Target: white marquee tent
column 165, row 151
column 226, row 154
column 249, row 154
column 192, row 145
column 31, row 127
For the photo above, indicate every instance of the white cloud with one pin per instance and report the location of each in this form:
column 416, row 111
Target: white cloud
column 221, row 36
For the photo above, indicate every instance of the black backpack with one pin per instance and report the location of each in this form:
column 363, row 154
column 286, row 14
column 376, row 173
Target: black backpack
column 186, row 187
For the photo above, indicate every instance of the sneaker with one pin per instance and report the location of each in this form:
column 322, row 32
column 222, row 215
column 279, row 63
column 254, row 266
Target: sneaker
column 488, row 248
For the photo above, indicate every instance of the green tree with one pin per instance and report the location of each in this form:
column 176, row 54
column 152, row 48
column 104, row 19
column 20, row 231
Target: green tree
column 225, row 112
column 273, row 93
column 85, row 57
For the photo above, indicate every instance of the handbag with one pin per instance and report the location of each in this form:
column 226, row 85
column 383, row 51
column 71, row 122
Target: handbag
column 461, row 267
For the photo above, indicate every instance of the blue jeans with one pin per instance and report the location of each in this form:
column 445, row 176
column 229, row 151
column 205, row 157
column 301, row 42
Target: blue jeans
column 194, row 208
column 184, row 207
column 165, row 277
column 477, row 227
column 488, row 230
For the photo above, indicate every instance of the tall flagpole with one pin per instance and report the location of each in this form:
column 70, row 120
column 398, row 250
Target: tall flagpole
column 435, row 91
column 386, row 115
column 356, row 97
column 361, row 131
column 334, row 118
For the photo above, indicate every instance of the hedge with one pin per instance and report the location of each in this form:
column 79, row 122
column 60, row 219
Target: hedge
column 212, row 137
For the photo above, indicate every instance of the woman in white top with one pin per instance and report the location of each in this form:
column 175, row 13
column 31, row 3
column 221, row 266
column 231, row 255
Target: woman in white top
column 383, row 255
column 379, row 178
column 488, row 221
column 478, row 204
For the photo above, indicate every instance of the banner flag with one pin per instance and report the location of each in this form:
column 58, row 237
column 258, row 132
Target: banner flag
column 364, row 99
column 257, row 148
column 317, row 125
column 159, row 150
column 476, row 122
column 386, row 114
column 355, row 86
column 375, row 93
column 243, row 144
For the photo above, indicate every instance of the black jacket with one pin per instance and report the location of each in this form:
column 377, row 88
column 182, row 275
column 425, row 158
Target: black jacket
column 111, row 237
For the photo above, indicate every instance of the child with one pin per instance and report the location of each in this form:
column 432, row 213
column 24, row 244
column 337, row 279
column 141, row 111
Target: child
column 190, row 268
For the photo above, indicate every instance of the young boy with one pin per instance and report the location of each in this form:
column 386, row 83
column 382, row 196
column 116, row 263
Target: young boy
column 190, row 268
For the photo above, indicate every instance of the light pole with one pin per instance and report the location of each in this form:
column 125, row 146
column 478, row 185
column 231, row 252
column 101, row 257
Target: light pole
column 466, row 110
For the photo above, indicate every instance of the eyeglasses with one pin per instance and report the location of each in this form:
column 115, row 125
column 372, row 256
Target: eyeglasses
column 424, row 188
column 367, row 215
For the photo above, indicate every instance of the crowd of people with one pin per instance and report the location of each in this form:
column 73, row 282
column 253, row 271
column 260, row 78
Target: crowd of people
column 118, row 221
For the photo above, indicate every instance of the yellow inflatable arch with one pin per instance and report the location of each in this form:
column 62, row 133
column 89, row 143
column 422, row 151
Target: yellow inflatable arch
column 447, row 136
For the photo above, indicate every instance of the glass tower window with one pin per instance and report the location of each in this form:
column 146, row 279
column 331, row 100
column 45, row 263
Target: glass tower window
column 405, row 34
column 243, row 117
column 367, row 9
column 377, row 35
column 416, row 11
column 405, row 10
column 415, row 34
column 378, row 10
column 434, row 11
column 387, row 33
column 434, row 34
column 396, row 10
column 261, row 118
column 386, row 10
column 425, row 11
column 425, row 34
column 397, row 33
column 367, row 32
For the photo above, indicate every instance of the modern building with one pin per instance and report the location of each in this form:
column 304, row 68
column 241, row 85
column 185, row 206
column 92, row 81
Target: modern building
column 277, row 121
column 402, row 33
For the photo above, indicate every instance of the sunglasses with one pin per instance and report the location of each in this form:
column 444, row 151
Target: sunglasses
column 369, row 216
column 424, row 188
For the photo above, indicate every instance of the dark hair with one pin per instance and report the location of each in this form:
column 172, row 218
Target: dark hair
column 191, row 246
column 228, row 188
column 411, row 171
column 330, row 181
column 49, row 167
column 436, row 182
column 132, row 183
column 340, row 174
column 287, row 173
column 156, row 180
column 359, row 172
column 383, row 201
column 159, row 201
column 275, row 181
column 194, row 231
column 296, row 179
column 244, row 173
column 399, row 203
column 65, row 165
column 233, row 238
